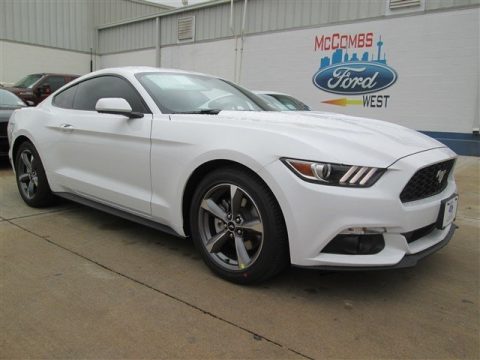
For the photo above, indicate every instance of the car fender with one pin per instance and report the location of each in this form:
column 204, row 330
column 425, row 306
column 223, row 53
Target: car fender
column 204, row 158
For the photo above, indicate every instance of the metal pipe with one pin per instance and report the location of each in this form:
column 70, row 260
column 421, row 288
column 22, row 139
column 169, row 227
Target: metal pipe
column 242, row 33
column 244, row 16
column 235, row 42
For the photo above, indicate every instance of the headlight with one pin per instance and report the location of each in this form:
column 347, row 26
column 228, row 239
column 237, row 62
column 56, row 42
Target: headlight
column 334, row 174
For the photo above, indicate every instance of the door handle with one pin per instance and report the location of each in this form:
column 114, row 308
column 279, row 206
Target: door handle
column 66, row 127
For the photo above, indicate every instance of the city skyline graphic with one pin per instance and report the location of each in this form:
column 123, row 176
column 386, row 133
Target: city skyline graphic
column 340, row 56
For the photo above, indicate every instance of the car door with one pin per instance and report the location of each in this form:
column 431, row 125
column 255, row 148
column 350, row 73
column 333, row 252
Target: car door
column 103, row 157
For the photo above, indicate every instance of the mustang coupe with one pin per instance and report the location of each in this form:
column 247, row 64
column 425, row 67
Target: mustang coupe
column 256, row 189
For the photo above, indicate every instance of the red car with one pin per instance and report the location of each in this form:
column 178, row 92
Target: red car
column 34, row 88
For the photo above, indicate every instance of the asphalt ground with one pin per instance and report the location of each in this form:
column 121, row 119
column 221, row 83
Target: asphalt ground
column 79, row 283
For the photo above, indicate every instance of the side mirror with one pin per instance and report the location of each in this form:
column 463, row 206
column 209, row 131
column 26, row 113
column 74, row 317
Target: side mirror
column 117, row 106
column 29, row 103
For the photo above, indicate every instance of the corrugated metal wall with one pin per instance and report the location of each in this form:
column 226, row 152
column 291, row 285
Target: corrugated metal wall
column 271, row 15
column 445, row 4
column 67, row 24
column 112, row 11
column 274, row 15
column 70, row 24
column 62, row 24
column 138, row 35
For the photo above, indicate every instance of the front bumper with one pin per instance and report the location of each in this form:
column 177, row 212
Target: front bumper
column 315, row 214
column 407, row 260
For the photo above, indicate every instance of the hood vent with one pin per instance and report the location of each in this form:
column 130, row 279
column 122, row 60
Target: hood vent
column 186, row 29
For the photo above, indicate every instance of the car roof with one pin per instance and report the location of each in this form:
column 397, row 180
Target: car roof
column 132, row 70
column 56, row 74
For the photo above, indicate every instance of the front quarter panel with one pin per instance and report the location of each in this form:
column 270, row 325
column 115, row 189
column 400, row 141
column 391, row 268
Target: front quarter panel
column 183, row 143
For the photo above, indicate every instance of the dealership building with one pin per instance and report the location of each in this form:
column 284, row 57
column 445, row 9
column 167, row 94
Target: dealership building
column 411, row 62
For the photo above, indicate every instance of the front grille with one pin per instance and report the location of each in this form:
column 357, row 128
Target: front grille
column 3, row 128
column 428, row 181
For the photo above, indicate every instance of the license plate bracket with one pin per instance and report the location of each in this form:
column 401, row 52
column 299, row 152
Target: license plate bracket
column 448, row 211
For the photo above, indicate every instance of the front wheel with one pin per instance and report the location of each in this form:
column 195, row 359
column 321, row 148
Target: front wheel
column 238, row 226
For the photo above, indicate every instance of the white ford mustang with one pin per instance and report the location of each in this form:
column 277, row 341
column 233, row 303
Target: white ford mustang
column 197, row 156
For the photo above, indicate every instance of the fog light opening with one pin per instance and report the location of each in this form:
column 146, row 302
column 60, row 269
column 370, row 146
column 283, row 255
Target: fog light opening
column 355, row 244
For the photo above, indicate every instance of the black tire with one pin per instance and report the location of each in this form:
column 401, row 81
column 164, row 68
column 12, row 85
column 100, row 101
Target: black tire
column 271, row 256
column 41, row 195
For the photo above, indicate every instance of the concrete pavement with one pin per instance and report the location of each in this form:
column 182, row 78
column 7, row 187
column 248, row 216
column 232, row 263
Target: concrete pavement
column 78, row 283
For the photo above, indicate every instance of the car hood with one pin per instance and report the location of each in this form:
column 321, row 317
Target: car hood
column 332, row 137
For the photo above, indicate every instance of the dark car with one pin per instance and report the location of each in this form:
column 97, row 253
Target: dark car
column 34, row 88
column 8, row 104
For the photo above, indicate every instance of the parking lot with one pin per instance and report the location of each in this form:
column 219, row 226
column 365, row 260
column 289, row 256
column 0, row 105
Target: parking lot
column 78, row 283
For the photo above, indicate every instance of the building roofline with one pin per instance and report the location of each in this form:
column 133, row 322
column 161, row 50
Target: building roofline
column 173, row 11
column 159, row 5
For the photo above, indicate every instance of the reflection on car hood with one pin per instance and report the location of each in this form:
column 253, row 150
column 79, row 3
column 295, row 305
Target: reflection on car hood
column 341, row 137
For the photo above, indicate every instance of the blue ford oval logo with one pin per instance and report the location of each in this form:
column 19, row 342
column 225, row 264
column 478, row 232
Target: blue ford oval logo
column 355, row 78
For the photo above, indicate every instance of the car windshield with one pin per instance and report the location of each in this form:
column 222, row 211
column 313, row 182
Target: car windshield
column 28, row 81
column 194, row 94
column 9, row 100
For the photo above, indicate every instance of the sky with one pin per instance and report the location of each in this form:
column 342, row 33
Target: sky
column 176, row 3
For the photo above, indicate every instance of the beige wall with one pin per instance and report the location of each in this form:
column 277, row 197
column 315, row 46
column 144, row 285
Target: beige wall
column 18, row 60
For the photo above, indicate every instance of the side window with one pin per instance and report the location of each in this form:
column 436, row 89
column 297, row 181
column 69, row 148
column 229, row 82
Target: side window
column 55, row 82
column 90, row 91
column 65, row 98
column 290, row 103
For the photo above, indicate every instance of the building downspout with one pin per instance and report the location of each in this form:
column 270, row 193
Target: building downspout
column 242, row 39
column 158, row 62
column 235, row 40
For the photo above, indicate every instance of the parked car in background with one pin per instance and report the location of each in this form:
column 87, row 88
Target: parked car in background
column 282, row 102
column 35, row 88
column 8, row 104
column 256, row 189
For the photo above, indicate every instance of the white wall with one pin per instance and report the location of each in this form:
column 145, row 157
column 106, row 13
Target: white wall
column 139, row 57
column 216, row 58
column 435, row 55
column 18, row 60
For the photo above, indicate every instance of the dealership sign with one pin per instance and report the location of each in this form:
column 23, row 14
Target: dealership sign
column 353, row 68
column 355, row 78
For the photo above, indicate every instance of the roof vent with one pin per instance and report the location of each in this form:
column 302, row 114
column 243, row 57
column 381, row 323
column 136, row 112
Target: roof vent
column 186, row 28
column 402, row 4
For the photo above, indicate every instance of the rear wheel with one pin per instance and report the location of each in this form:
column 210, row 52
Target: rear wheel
column 238, row 227
column 31, row 179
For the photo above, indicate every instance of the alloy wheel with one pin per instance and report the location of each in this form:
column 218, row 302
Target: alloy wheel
column 231, row 226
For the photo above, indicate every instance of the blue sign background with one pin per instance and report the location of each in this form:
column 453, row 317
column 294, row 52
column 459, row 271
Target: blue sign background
column 385, row 78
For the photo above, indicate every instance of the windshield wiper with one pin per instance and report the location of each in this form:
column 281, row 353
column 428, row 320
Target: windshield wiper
column 203, row 111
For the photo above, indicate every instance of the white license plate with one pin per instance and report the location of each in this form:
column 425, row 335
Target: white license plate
column 450, row 211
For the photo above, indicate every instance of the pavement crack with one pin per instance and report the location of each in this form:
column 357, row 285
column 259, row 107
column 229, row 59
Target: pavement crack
column 42, row 213
column 255, row 335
